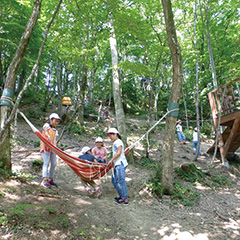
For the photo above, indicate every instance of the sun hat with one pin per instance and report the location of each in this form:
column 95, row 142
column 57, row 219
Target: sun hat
column 179, row 121
column 85, row 149
column 54, row 116
column 98, row 139
column 195, row 128
column 112, row 130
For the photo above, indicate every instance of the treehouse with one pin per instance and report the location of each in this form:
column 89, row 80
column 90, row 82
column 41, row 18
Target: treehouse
column 225, row 106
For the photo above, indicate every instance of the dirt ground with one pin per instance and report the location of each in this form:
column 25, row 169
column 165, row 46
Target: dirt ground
column 27, row 211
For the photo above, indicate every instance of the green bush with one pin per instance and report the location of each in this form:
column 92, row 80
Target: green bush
column 192, row 175
column 148, row 163
column 32, row 113
column 36, row 144
column 23, row 176
column 155, row 181
column 186, row 195
column 75, row 128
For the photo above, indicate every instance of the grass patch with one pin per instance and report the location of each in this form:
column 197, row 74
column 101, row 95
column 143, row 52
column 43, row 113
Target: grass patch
column 190, row 173
column 19, row 209
column 147, row 163
column 37, row 164
column 22, row 176
column 185, row 194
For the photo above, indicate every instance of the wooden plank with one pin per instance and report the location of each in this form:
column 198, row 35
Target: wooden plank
column 231, row 136
column 229, row 117
column 213, row 107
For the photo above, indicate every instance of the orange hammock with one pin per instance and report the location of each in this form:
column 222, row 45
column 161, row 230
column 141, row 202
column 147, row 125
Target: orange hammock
column 84, row 169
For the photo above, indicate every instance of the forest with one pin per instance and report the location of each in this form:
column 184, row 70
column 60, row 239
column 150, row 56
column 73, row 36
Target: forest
column 145, row 60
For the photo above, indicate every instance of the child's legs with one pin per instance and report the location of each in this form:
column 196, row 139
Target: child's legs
column 84, row 183
column 52, row 164
column 119, row 182
column 88, row 183
column 46, row 160
column 183, row 136
column 179, row 136
column 195, row 143
column 195, row 146
column 92, row 183
column 114, row 182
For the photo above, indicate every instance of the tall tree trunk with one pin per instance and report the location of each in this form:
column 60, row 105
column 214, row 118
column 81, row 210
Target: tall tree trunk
column 186, row 112
column 197, row 88
column 91, row 84
column 21, row 81
column 1, row 69
column 59, row 84
column 5, row 147
column 82, row 94
column 207, row 33
column 167, row 154
column 120, row 116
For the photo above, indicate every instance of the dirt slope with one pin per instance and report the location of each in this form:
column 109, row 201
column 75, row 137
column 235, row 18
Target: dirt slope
column 67, row 212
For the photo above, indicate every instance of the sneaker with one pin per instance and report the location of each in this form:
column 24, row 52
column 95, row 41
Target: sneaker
column 90, row 191
column 122, row 201
column 185, row 143
column 98, row 192
column 45, row 184
column 52, row 183
column 117, row 198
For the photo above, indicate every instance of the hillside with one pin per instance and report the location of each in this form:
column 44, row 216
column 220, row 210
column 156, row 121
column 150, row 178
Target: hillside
column 27, row 211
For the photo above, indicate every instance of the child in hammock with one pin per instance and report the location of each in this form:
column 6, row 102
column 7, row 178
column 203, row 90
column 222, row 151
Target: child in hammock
column 90, row 186
column 100, row 152
column 49, row 158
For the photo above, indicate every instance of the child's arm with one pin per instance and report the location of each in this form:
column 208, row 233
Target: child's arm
column 94, row 153
column 117, row 155
column 45, row 129
column 105, row 155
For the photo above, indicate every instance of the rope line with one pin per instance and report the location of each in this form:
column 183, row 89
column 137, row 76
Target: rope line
column 150, row 129
column 9, row 99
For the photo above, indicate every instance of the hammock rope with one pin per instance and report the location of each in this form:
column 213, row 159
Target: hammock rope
column 85, row 169
column 149, row 130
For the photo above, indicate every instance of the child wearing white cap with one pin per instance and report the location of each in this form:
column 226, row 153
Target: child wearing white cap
column 120, row 165
column 195, row 141
column 181, row 136
column 100, row 152
column 49, row 158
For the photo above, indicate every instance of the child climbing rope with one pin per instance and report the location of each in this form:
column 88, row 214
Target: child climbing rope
column 49, row 158
column 100, row 152
column 90, row 186
column 120, row 165
column 181, row 136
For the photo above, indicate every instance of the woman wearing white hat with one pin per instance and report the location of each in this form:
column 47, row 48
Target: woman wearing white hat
column 100, row 152
column 49, row 158
column 120, row 165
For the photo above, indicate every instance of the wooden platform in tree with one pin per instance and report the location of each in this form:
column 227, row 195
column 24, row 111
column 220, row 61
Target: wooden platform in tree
column 225, row 101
